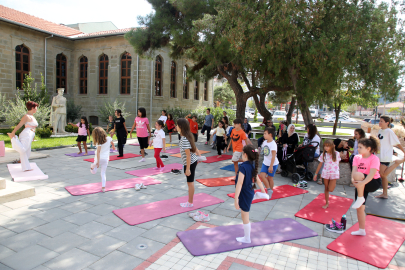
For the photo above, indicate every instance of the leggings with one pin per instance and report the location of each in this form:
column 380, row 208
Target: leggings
column 208, row 129
column 220, row 144
column 371, row 186
column 103, row 166
column 159, row 162
column 23, row 146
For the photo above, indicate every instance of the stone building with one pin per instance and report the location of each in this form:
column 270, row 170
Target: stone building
column 93, row 67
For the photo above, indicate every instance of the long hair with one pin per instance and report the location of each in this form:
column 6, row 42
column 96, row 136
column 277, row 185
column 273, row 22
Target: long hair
column 185, row 132
column 372, row 142
column 99, row 136
column 86, row 124
column 252, row 156
column 119, row 112
column 223, row 124
column 169, row 116
column 142, row 111
column 312, row 131
column 332, row 149
column 164, row 112
column 361, row 132
column 160, row 123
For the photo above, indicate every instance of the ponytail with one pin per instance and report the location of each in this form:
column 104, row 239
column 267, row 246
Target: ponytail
column 373, row 142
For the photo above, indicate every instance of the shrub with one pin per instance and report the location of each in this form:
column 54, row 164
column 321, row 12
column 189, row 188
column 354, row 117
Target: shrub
column 70, row 128
column 73, row 112
column 30, row 93
column 255, row 116
column 43, row 132
column 109, row 109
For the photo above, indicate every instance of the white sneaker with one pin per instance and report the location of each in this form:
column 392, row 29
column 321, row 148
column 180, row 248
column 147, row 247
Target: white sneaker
column 203, row 217
column 142, row 160
column 142, row 186
column 196, row 213
column 201, row 158
column 137, row 187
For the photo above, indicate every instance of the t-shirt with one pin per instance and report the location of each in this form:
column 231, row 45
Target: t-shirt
column 163, row 118
column 141, row 127
column 237, row 138
column 336, row 142
column 268, row 147
column 193, row 126
column 220, row 131
column 185, row 144
column 246, row 168
column 170, row 124
column 387, row 140
column 105, row 150
column 158, row 137
column 208, row 120
column 365, row 164
column 119, row 124
column 228, row 129
column 356, row 147
column 82, row 130
column 313, row 142
column 110, row 125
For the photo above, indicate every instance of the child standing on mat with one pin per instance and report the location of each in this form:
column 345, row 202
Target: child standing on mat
column 208, row 125
column 244, row 192
column 365, row 177
column 122, row 132
column 189, row 154
column 102, row 142
column 159, row 143
column 236, row 138
column 270, row 161
column 83, row 132
column 388, row 140
column 142, row 131
column 221, row 141
column 110, row 126
column 193, row 126
column 170, row 126
column 330, row 173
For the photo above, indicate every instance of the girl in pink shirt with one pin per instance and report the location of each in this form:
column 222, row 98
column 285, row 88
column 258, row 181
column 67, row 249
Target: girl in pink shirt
column 365, row 177
column 83, row 132
column 143, row 131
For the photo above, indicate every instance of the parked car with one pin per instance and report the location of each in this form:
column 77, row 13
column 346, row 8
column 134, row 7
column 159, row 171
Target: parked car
column 343, row 119
column 314, row 113
column 376, row 121
column 323, row 114
column 366, row 120
column 279, row 115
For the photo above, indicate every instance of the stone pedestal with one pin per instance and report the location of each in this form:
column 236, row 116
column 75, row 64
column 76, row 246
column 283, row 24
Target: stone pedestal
column 14, row 191
column 2, row 183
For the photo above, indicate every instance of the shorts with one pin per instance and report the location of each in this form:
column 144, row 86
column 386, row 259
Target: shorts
column 81, row 138
column 371, row 186
column 265, row 169
column 236, row 156
column 170, row 130
column 387, row 164
column 193, row 166
column 143, row 142
column 195, row 137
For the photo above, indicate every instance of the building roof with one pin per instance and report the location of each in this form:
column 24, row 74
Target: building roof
column 392, row 105
column 103, row 33
column 35, row 22
column 92, row 27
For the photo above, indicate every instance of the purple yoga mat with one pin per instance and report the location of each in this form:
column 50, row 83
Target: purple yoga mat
column 172, row 151
column 150, row 171
column 223, row 238
column 89, row 153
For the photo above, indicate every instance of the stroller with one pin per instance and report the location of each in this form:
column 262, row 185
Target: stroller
column 301, row 156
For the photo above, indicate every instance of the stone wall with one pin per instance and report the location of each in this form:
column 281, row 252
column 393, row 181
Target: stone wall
column 92, row 48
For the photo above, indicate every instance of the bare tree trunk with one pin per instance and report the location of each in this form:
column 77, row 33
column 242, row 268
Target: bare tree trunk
column 337, row 112
column 306, row 114
column 291, row 110
column 261, row 106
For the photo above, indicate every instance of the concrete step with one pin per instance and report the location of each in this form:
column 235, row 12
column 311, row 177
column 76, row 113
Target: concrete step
column 2, row 183
column 15, row 191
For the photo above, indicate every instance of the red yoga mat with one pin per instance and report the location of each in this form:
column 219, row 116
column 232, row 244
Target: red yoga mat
column 338, row 206
column 112, row 158
column 110, row 185
column 217, row 182
column 383, row 240
column 279, row 192
column 147, row 212
column 212, row 159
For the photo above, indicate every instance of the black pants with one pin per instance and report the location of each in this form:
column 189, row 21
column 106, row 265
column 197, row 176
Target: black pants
column 351, row 162
column 371, row 186
column 195, row 136
column 208, row 129
column 220, row 144
column 191, row 177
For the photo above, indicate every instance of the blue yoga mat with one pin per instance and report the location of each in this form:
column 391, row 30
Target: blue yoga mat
column 229, row 167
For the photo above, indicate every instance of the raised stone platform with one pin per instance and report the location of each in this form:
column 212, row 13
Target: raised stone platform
column 14, row 191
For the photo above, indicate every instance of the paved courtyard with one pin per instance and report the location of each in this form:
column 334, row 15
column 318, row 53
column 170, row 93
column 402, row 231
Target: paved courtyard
column 55, row 230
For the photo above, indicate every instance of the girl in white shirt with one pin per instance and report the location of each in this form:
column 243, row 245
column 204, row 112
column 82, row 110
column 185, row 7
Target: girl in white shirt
column 159, row 143
column 102, row 157
column 221, row 137
column 163, row 117
column 312, row 138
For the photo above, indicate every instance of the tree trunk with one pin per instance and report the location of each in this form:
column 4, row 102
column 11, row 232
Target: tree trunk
column 337, row 112
column 240, row 96
column 261, row 106
column 291, row 110
column 306, row 114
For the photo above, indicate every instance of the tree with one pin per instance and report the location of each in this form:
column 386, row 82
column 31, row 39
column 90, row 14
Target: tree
column 224, row 95
column 30, row 92
column 251, row 104
column 109, row 110
column 395, row 110
column 73, row 111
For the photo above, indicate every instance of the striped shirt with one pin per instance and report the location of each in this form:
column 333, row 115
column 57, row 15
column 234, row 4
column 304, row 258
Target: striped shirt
column 185, row 144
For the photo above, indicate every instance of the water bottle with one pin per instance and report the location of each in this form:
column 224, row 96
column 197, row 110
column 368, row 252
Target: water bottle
column 343, row 222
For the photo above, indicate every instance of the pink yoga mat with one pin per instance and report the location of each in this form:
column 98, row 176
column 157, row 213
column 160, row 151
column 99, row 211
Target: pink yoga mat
column 212, row 159
column 147, row 212
column 19, row 176
column 172, row 151
column 135, row 144
column 112, row 158
column 150, row 171
column 110, row 185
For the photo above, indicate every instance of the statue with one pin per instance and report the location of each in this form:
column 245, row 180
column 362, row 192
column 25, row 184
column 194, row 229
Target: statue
column 58, row 114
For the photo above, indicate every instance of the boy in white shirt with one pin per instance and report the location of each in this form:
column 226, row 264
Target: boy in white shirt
column 270, row 161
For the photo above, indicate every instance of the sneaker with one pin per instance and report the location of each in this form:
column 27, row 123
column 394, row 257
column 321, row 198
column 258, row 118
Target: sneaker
column 206, row 143
column 137, row 187
column 175, row 171
column 203, row 217
column 186, row 204
column 142, row 186
column 142, row 160
column 335, row 227
column 201, row 158
column 196, row 213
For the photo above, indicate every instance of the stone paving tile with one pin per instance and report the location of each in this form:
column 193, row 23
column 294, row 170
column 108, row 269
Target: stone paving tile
column 52, row 214
column 102, row 209
column 73, row 259
column 110, row 220
column 56, row 227
column 161, row 234
column 24, row 240
column 29, row 258
column 91, row 229
column 63, row 242
column 24, row 224
column 125, row 232
column 81, row 218
column 4, row 233
column 101, row 245
column 75, row 207
column 177, row 222
column 126, row 262
column 5, row 252
column 132, row 247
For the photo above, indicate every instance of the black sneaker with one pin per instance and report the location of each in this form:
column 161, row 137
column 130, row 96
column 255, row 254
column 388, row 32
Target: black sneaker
column 141, row 153
column 175, row 171
column 334, row 227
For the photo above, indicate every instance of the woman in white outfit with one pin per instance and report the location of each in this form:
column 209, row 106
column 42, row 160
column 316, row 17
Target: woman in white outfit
column 22, row 144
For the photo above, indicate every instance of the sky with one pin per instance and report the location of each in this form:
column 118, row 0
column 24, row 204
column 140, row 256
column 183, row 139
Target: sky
column 123, row 13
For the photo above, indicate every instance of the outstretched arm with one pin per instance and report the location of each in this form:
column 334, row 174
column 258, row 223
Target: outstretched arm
column 24, row 120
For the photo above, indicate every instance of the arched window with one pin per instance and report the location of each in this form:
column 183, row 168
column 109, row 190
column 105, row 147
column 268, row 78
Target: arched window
column 196, row 90
column 83, row 65
column 103, row 75
column 61, row 71
column 205, row 91
column 22, row 64
column 158, row 76
column 173, row 80
column 126, row 61
column 185, row 83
